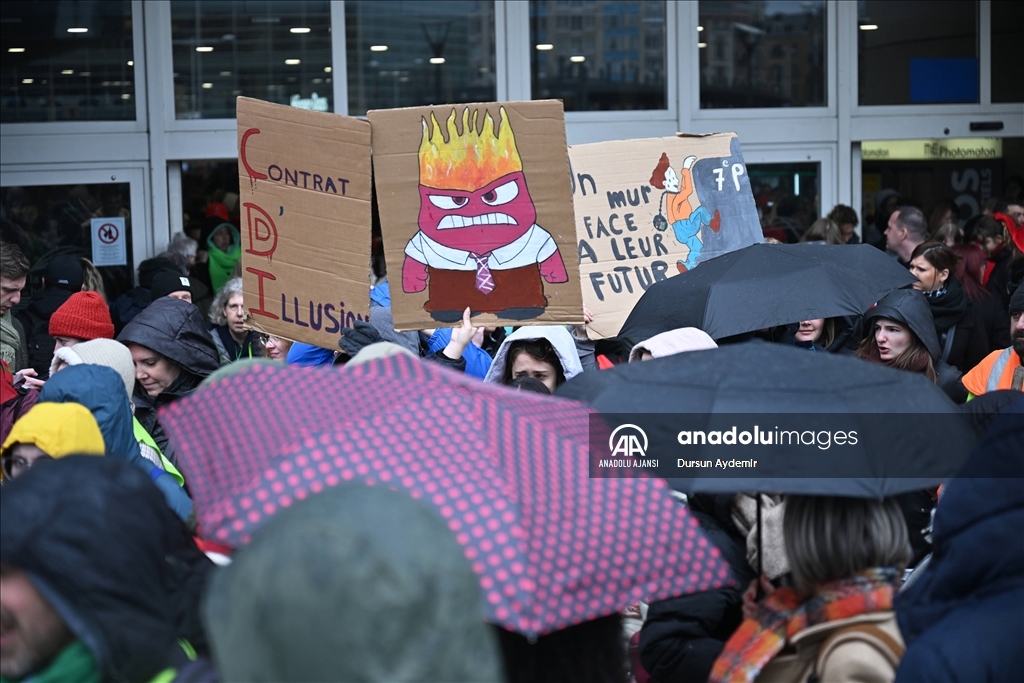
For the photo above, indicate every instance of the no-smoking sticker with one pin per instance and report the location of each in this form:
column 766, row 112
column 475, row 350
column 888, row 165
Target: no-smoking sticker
column 109, row 246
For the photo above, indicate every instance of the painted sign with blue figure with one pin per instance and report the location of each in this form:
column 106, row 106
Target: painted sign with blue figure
column 650, row 209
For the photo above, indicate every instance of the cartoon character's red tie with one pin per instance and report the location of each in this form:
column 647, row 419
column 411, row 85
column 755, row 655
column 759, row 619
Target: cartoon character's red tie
column 484, row 282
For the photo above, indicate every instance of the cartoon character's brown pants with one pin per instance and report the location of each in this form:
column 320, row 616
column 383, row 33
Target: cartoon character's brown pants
column 453, row 290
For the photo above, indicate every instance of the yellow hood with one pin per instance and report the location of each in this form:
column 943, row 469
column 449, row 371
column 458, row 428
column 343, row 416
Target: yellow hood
column 58, row 429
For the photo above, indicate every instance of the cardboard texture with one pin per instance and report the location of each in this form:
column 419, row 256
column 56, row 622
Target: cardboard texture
column 648, row 209
column 305, row 212
column 476, row 210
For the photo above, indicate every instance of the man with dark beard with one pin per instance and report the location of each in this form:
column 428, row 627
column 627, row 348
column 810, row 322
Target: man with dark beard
column 1002, row 369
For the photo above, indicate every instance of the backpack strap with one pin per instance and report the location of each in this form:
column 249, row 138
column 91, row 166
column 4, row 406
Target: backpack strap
column 948, row 345
column 869, row 634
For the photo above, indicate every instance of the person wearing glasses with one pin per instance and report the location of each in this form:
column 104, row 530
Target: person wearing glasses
column 276, row 347
column 48, row 431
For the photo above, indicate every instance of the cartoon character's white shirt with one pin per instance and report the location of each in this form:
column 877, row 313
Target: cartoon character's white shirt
column 533, row 247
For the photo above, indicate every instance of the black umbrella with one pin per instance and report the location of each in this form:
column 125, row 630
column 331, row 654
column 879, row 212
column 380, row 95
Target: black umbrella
column 764, row 285
column 906, row 434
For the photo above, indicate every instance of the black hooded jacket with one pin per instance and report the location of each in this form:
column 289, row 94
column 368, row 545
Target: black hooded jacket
column 133, row 302
column 910, row 307
column 953, row 311
column 174, row 329
column 36, row 321
column 96, row 539
column 963, row 618
column 683, row 636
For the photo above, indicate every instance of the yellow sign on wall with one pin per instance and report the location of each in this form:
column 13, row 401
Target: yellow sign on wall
column 952, row 149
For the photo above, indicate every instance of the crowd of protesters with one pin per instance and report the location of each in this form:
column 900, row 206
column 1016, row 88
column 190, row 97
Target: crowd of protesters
column 105, row 575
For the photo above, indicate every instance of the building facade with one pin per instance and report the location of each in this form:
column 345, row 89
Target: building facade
column 125, row 108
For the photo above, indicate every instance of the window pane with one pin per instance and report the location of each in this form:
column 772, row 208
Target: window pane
column 599, row 55
column 762, row 53
column 1007, row 38
column 787, row 198
column 274, row 51
column 45, row 219
column 917, row 51
column 67, row 61
column 209, row 191
column 407, row 54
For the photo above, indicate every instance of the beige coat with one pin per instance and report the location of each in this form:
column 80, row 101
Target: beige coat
column 854, row 662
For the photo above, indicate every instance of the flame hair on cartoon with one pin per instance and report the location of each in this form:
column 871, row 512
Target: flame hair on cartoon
column 471, row 160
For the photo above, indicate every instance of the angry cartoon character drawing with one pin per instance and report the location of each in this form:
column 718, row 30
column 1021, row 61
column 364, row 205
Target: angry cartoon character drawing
column 686, row 214
column 478, row 243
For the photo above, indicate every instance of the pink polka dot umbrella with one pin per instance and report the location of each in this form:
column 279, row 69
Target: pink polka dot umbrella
column 507, row 471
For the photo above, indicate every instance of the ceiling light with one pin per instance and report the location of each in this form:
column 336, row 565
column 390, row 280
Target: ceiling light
column 869, row 27
column 78, row 30
column 204, row 48
column 27, row 81
column 702, row 45
column 437, row 60
column 327, row 69
column 207, row 86
column 15, row 49
column 225, row 73
column 300, row 29
column 126, row 96
column 378, row 48
column 545, row 46
column 67, row 72
column 85, row 73
column 131, row 63
column 236, row 92
column 577, row 58
column 699, row 29
column 292, row 62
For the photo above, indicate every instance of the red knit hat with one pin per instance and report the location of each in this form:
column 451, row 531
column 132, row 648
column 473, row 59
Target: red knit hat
column 83, row 316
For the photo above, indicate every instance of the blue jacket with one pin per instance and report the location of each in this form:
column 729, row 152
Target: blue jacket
column 307, row 355
column 101, row 390
column 478, row 362
column 963, row 619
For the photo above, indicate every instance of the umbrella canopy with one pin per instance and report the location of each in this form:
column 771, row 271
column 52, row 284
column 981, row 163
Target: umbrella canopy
column 908, row 434
column 506, row 470
column 764, row 285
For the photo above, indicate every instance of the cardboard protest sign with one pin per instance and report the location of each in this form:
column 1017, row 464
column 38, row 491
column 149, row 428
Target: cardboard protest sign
column 476, row 211
column 305, row 183
column 649, row 209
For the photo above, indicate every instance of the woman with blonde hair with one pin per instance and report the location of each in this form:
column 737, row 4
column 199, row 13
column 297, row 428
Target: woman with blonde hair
column 92, row 281
column 823, row 231
column 846, row 558
column 949, row 234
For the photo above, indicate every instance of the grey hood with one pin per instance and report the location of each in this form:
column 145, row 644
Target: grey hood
column 353, row 584
column 909, row 307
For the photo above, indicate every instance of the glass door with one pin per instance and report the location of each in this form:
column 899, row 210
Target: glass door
column 99, row 215
column 792, row 188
